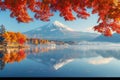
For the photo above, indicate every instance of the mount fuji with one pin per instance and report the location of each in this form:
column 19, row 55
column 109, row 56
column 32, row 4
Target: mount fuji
column 59, row 31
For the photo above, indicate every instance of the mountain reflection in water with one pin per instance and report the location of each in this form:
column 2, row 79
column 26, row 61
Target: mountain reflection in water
column 56, row 57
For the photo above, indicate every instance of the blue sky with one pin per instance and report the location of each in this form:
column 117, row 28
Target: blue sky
column 11, row 24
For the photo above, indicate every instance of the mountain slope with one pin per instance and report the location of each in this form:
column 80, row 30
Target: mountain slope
column 57, row 30
column 114, row 38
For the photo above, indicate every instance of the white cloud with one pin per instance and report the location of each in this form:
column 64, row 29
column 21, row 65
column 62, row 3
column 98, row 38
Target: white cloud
column 100, row 61
column 89, row 29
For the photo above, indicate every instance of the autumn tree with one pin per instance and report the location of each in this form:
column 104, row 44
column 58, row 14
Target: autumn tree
column 107, row 10
column 16, row 37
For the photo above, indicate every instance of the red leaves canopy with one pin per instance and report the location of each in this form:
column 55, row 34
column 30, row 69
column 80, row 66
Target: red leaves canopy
column 107, row 10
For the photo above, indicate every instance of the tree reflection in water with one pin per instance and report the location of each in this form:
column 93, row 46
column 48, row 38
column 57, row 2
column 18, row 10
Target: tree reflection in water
column 11, row 56
column 18, row 54
column 2, row 63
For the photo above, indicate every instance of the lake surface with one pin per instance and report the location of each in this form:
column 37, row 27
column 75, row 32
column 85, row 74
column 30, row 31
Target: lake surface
column 94, row 60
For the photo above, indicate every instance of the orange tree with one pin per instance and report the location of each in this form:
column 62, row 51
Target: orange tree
column 107, row 10
column 14, row 37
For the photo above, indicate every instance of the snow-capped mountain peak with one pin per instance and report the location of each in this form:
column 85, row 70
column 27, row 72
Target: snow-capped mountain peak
column 60, row 25
column 58, row 31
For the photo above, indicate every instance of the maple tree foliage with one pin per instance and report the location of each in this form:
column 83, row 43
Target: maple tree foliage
column 107, row 10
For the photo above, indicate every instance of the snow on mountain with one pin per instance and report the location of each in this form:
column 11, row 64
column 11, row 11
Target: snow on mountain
column 57, row 26
column 62, row 26
column 57, row 30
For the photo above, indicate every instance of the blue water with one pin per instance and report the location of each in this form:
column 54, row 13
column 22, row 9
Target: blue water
column 64, row 61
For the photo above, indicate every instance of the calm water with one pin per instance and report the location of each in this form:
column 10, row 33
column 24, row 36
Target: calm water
column 61, row 61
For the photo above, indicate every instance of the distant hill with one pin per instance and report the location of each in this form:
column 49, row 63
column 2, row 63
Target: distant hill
column 114, row 38
column 59, row 31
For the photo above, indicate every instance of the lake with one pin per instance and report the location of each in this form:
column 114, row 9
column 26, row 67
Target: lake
column 89, row 60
